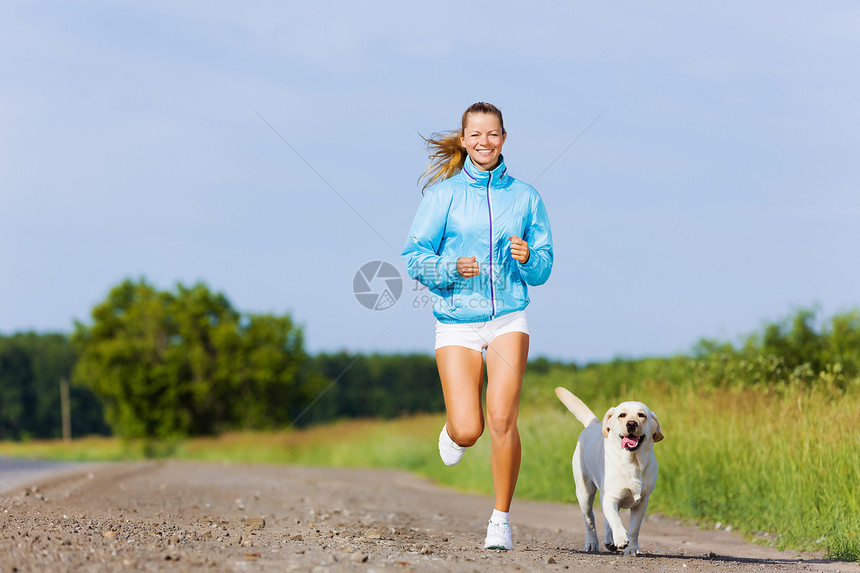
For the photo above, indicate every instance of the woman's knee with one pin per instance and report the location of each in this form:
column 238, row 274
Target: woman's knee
column 502, row 424
column 465, row 434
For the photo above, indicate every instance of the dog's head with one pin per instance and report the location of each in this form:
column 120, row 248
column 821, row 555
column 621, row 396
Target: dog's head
column 631, row 423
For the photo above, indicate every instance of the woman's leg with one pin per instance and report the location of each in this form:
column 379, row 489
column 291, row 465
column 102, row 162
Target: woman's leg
column 461, row 371
column 506, row 365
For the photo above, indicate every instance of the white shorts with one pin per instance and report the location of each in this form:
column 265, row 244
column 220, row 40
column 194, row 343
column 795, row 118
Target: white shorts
column 478, row 335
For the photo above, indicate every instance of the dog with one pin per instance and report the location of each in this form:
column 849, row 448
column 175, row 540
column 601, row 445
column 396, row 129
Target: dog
column 617, row 458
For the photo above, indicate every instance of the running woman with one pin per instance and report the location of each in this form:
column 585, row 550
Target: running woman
column 479, row 238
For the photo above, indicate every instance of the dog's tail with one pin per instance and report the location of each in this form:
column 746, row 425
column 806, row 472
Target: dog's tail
column 582, row 412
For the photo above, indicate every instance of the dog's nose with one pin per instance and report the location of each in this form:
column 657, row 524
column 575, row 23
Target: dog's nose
column 631, row 425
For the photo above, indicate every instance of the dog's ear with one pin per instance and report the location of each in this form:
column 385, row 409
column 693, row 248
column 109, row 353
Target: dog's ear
column 606, row 417
column 658, row 434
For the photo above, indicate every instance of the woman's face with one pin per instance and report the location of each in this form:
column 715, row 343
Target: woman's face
column 483, row 139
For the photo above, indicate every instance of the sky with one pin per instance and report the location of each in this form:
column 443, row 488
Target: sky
column 698, row 160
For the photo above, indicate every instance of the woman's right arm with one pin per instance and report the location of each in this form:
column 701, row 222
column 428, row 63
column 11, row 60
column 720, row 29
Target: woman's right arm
column 423, row 262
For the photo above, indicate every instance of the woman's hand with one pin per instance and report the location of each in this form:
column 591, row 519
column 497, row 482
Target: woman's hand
column 467, row 267
column 519, row 249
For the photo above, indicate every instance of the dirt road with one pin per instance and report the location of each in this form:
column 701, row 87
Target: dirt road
column 180, row 516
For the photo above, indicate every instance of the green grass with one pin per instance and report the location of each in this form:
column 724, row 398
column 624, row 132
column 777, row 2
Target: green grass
column 783, row 468
column 88, row 449
column 784, row 465
column 781, row 465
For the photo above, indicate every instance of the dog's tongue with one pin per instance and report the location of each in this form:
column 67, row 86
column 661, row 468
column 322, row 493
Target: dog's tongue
column 629, row 442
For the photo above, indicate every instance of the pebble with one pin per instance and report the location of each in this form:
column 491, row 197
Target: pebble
column 373, row 533
column 255, row 523
column 358, row 557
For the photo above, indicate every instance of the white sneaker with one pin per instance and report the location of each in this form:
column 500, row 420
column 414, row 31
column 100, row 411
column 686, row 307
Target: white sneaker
column 449, row 451
column 499, row 536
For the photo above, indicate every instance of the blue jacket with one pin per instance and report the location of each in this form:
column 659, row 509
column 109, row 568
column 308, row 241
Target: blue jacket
column 474, row 213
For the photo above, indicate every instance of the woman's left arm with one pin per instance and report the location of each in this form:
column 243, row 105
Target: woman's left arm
column 535, row 271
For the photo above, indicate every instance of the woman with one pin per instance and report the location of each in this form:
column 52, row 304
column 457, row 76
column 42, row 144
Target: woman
column 479, row 237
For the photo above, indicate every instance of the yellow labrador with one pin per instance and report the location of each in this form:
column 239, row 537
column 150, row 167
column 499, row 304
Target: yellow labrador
column 616, row 457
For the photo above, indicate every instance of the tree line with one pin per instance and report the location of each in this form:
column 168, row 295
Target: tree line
column 164, row 365
column 158, row 365
column 32, row 368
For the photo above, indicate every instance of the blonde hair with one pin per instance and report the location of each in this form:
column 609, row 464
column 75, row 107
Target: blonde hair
column 446, row 153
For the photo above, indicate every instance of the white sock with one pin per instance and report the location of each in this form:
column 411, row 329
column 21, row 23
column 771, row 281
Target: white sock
column 500, row 516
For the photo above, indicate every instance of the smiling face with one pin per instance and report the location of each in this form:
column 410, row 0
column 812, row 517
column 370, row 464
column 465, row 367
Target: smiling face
column 631, row 423
column 483, row 137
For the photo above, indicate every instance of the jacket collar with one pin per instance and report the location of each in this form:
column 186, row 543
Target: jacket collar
column 479, row 178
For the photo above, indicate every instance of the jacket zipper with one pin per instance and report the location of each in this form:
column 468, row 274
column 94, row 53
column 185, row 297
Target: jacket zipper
column 492, row 247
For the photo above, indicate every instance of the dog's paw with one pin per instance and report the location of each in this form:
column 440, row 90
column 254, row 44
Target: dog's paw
column 591, row 547
column 613, row 545
column 632, row 550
